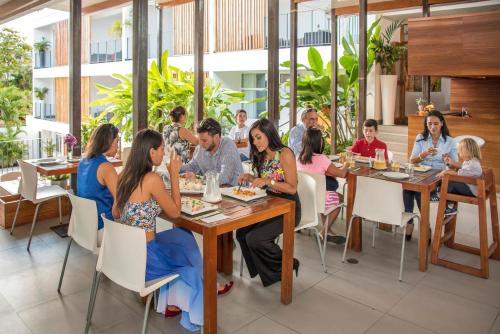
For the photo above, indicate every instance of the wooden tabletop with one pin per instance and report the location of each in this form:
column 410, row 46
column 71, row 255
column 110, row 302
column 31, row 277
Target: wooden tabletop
column 64, row 167
column 240, row 214
column 422, row 182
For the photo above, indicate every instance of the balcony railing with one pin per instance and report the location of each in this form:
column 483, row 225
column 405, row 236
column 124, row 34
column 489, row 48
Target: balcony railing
column 44, row 111
column 43, row 59
column 105, row 52
column 314, row 29
column 97, row 110
column 152, row 47
column 12, row 150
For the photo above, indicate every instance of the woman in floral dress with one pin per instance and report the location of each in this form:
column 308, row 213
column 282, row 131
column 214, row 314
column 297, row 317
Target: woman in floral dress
column 276, row 171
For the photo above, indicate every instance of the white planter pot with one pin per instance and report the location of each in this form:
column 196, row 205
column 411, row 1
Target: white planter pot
column 388, row 88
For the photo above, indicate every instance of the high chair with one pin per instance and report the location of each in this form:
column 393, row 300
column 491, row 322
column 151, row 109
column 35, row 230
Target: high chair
column 485, row 190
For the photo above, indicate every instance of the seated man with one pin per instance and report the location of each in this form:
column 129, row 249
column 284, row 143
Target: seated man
column 309, row 120
column 366, row 146
column 214, row 153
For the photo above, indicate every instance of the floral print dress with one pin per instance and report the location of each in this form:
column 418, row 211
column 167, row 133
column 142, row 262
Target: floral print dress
column 173, row 140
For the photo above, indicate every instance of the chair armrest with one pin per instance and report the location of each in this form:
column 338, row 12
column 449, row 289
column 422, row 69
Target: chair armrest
column 463, row 179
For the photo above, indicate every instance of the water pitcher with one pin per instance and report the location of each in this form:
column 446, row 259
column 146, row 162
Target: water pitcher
column 212, row 190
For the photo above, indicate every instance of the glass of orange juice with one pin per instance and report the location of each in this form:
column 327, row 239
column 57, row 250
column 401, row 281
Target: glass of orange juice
column 395, row 165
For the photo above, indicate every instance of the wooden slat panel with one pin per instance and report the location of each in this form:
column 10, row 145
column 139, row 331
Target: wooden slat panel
column 85, row 98
column 104, row 5
column 239, row 24
column 62, row 100
column 455, row 45
column 477, row 126
column 61, row 43
column 480, row 96
column 85, row 39
column 183, row 21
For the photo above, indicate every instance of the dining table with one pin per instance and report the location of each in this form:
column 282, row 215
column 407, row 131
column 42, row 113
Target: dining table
column 422, row 182
column 236, row 214
column 62, row 166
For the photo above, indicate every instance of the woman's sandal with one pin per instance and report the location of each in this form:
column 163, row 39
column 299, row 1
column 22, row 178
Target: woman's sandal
column 227, row 287
column 172, row 313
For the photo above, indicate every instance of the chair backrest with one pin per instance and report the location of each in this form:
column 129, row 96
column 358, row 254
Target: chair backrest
column 122, row 257
column 10, row 176
column 306, row 189
column 378, row 200
column 29, row 180
column 320, row 191
column 83, row 222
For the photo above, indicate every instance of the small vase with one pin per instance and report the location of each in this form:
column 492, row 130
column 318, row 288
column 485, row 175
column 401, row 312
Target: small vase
column 69, row 154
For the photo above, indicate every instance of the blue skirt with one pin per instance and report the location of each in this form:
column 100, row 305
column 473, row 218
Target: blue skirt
column 175, row 251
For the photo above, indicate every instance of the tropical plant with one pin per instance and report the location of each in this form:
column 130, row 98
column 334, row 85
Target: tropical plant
column 89, row 126
column 387, row 54
column 42, row 45
column 168, row 87
column 15, row 60
column 14, row 106
column 49, row 147
column 60, row 177
column 41, row 93
column 11, row 149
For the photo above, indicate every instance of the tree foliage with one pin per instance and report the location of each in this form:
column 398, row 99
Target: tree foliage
column 15, row 60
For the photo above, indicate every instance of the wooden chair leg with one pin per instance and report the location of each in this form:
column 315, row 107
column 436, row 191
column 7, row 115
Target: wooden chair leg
column 438, row 231
column 483, row 239
column 494, row 221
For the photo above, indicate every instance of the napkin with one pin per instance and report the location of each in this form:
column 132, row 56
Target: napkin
column 214, row 218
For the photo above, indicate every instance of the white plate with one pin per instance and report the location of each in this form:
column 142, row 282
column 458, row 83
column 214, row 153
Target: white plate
column 396, row 175
column 47, row 160
column 194, row 206
column 333, row 157
column 259, row 193
column 422, row 168
column 53, row 162
column 338, row 164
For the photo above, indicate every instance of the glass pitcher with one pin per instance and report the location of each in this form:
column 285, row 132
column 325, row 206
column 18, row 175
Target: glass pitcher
column 380, row 162
column 212, row 192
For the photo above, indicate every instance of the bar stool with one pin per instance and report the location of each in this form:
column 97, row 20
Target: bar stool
column 485, row 190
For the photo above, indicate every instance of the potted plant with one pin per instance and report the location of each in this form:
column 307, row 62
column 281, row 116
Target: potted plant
column 59, row 180
column 49, row 148
column 41, row 93
column 41, row 47
column 421, row 103
column 387, row 55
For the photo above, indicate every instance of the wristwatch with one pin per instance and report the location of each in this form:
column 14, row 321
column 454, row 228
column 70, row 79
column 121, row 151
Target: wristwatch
column 273, row 182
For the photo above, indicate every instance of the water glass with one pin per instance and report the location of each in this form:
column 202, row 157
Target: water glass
column 237, row 137
column 409, row 169
column 370, row 162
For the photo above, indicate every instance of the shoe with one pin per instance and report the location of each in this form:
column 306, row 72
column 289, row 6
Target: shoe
column 435, row 198
column 336, row 239
column 408, row 235
column 450, row 211
column 227, row 287
column 172, row 314
column 296, row 265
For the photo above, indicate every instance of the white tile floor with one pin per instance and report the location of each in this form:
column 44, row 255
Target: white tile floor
column 350, row 298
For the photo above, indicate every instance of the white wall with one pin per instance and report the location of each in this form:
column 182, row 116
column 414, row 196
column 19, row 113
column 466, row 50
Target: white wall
column 100, row 28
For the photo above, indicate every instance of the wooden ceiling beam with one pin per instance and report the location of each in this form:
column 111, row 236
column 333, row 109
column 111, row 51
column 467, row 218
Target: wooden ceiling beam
column 104, row 5
column 172, row 3
column 15, row 7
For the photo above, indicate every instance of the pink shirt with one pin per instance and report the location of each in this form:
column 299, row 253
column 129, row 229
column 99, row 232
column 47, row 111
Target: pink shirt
column 319, row 165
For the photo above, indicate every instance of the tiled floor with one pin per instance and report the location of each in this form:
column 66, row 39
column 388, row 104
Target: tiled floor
column 350, row 298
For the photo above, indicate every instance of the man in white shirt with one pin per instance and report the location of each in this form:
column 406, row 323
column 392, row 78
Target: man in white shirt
column 239, row 133
column 309, row 120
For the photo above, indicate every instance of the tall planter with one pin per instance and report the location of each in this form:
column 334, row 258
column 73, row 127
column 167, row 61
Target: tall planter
column 388, row 88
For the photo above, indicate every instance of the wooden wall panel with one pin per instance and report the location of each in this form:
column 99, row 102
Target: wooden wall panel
column 183, row 23
column 488, row 130
column 85, row 39
column 61, row 43
column 465, row 45
column 85, row 98
column 62, row 99
column 481, row 97
column 239, row 24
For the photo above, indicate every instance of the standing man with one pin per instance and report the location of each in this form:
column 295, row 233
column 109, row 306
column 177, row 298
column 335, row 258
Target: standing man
column 214, row 153
column 309, row 120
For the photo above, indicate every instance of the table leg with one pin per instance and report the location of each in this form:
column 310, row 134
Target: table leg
column 210, row 281
column 227, row 253
column 356, row 240
column 424, row 230
column 287, row 257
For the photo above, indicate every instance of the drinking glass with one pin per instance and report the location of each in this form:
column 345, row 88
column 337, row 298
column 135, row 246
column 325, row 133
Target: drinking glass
column 395, row 166
column 237, row 137
column 409, row 169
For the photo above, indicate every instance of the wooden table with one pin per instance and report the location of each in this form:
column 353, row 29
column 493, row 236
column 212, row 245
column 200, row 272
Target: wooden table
column 427, row 182
column 63, row 168
column 240, row 215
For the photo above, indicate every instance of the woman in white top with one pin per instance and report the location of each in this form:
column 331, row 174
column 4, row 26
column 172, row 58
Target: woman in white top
column 239, row 132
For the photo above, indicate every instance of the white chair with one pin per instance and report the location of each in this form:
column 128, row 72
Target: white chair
column 11, row 182
column 380, row 201
column 30, row 191
column 122, row 258
column 82, row 228
column 10, row 176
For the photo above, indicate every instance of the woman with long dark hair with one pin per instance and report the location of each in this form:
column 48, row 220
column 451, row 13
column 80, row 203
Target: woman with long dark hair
column 176, row 136
column 141, row 197
column 312, row 160
column 96, row 176
column 430, row 148
column 276, row 171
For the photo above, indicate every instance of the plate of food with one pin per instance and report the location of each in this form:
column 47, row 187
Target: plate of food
column 191, row 186
column 243, row 193
column 194, row 206
column 396, row 175
column 422, row 168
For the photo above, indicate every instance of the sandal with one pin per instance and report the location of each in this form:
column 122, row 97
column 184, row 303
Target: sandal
column 227, row 287
column 172, row 313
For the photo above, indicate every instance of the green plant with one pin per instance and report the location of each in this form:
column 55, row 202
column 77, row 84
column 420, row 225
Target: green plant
column 14, row 106
column 10, row 149
column 15, row 60
column 387, row 54
column 49, row 147
column 89, row 126
column 41, row 93
column 42, row 45
column 61, row 177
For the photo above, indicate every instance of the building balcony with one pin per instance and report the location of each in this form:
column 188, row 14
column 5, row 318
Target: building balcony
column 106, row 51
column 44, row 111
column 43, row 59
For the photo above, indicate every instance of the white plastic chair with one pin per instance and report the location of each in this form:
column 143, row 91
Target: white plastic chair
column 380, row 201
column 82, row 228
column 30, row 191
column 122, row 258
column 10, row 176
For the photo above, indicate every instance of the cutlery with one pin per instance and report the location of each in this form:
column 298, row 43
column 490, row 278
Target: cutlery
column 209, row 214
